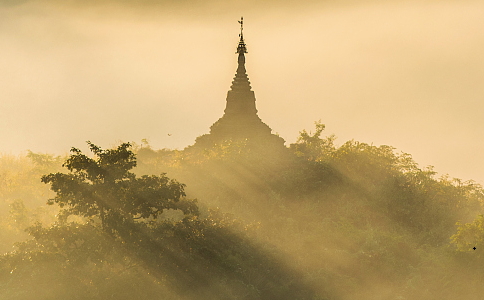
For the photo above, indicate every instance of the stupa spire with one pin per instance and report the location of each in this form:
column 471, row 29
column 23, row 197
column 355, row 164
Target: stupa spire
column 241, row 48
column 241, row 80
column 240, row 120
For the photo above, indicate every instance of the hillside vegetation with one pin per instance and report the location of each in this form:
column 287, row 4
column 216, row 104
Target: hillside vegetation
column 238, row 221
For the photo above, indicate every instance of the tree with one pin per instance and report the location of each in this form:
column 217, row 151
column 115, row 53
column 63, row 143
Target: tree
column 469, row 235
column 103, row 188
column 312, row 146
column 125, row 247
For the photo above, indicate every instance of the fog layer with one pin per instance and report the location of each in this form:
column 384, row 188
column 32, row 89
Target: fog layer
column 406, row 74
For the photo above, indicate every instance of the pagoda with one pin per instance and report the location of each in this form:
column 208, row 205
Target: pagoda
column 240, row 121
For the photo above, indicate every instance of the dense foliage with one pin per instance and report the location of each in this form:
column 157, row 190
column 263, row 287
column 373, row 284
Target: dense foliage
column 127, row 241
column 312, row 221
column 22, row 195
column 104, row 188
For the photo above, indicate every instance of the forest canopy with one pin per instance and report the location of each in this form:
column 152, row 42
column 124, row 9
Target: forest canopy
column 317, row 221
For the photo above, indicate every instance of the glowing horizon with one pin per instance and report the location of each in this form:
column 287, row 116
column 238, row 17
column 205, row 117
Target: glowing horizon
column 400, row 74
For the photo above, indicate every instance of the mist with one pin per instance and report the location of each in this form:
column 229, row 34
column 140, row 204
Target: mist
column 370, row 214
column 401, row 74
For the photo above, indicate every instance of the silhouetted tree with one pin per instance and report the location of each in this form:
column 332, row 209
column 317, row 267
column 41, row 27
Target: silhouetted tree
column 104, row 188
column 123, row 245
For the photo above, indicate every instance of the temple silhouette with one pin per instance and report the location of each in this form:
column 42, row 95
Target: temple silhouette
column 240, row 121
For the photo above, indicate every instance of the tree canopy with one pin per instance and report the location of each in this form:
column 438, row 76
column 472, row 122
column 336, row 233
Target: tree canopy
column 104, row 188
column 318, row 221
column 123, row 243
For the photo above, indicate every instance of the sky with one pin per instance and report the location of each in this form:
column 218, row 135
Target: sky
column 408, row 74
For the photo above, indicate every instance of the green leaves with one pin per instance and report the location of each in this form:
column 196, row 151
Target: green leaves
column 104, row 188
column 469, row 235
column 312, row 146
column 109, row 165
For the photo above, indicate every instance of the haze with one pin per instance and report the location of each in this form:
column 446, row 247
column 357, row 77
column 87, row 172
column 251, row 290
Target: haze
column 401, row 73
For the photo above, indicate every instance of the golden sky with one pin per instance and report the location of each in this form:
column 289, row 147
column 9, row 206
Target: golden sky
column 403, row 73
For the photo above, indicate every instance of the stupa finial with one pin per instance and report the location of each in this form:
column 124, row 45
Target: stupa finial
column 241, row 22
column 241, row 48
